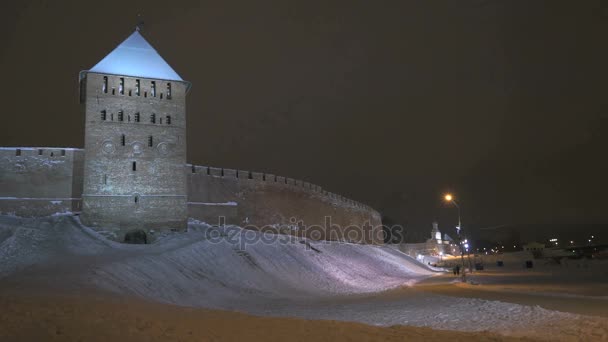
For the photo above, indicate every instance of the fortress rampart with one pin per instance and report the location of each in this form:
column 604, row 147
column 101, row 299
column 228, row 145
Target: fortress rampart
column 268, row 202
column 41, row 181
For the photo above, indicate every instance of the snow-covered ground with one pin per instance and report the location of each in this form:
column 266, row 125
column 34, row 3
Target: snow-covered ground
column 212, row 268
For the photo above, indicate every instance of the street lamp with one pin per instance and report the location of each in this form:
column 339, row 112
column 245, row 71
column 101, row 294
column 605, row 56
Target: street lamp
column 450, row 199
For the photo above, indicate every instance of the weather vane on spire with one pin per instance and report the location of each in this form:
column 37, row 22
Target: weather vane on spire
column 140, row 22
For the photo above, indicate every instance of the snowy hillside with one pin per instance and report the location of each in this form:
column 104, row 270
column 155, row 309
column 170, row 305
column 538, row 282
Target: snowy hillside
column 204, row 266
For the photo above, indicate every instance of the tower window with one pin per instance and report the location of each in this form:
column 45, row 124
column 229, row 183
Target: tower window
column 137, row 87
column 150, row 141
column 121, row 86
column 153, row 118
column 123, row 140
column 104, row 115
column 168, row 119
column 168, row 91
column 18, row 152
column 136, row 117
column 161, row 96
column 121, row 116
column 134, row 166
column 136, row 199
column 39, row 152
column 104, row 87
column 153, row 89
column 105, row 179
column 63, row 153
column 129, row 117
column 160, row 120
column 111, row 116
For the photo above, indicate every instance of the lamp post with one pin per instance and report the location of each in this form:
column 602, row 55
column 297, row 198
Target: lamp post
column 450, row 199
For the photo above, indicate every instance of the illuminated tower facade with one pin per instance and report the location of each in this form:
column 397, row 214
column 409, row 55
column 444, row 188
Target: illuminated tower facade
column 135, row 142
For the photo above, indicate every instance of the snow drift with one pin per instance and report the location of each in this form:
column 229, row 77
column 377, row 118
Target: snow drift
column 207, row 266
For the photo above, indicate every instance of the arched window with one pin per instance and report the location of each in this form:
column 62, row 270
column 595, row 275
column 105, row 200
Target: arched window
column 153, row 89
column 168, row 91
column 136, row 117
column 150, row 141
column 137, row 87
column 121, row 86
column 123, row 140
column 104, row 115
column 104, row 87
column 134, row 166
column 121, row 115
column 168, row 119
column 153, row 118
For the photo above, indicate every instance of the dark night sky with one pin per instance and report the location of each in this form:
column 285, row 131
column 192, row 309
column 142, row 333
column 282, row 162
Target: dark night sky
column 390, row 103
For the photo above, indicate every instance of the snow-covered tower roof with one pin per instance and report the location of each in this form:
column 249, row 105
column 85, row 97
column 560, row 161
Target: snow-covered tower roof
column 136, row 57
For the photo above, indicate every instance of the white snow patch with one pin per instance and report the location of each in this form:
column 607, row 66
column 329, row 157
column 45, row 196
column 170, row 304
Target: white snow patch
column 233, row 204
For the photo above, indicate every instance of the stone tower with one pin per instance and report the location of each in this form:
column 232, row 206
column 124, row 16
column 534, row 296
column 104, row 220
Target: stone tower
column 135, row 142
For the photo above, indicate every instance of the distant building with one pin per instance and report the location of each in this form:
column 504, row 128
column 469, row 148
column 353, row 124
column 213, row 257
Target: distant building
column 439, row 244
column 534, row 246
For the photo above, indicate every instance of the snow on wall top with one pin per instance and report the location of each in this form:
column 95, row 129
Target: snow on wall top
column 136, row 57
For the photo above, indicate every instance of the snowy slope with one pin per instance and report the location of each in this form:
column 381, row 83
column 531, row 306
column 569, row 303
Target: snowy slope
column 197, row 268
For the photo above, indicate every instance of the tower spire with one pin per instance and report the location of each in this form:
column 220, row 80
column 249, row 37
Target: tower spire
column 140, row 22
